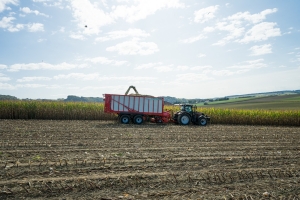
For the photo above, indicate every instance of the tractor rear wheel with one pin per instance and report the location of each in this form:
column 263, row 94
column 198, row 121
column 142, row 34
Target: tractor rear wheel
column 138, row 119
column 184, row 119
column 125, row 119
column 202, row 121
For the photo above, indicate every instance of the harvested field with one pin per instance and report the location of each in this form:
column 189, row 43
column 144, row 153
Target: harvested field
column 106, row 160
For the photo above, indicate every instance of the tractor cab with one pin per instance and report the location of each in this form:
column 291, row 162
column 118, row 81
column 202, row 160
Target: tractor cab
column 188, row 108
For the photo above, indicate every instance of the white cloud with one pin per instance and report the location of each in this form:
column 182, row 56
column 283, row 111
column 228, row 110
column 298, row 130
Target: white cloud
column 254, row 18
column 3, row 66
column 164, row 68
column 235, row 31
column 87, row 13
column 35, row 27
column 141, row 9
column 134, row 47
column 193, row 77
column 41, row 40
column 208, row 29
column 202, row 68
column 114, row 35
column 261, row 49
column 193, row 39
column 4, row 78
column 30, row 85
column 29, row 11
column 33, row 78
column 201, row 55
column 78, row 76
column 205, row 14
column 148, row 65
column 50, row 3
column 45, row 66
column 105, row 61
column 3, row 4
column 6, row 22
column 251, row 64
column 6, row 86
column 236, row 25
column 77, row 36
column 261, row 32
column 90, row 15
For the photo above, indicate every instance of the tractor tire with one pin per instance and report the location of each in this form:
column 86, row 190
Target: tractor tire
column 184, row 119
column 202, row 121
column 125, row 119
column 138, row 119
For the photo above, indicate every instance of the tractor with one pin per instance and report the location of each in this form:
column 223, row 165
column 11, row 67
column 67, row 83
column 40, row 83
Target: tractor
column 189, row 114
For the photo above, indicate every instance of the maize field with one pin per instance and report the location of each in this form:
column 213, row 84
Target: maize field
column 89, row 159
column 95, row 111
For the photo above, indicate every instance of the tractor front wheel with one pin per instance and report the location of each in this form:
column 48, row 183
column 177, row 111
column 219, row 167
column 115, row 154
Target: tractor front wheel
column 202, row 121
column 184, row 119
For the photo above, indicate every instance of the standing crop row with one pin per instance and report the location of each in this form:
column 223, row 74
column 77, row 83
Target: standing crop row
column 56, row 110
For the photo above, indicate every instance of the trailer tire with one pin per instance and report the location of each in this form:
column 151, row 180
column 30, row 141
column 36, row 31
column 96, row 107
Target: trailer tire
column 202, row 121
column 138, row 119
column 184, row 119
column 125, row 119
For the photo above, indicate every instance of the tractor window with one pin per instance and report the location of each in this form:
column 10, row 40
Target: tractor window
column 188, row 109
column 182, row 108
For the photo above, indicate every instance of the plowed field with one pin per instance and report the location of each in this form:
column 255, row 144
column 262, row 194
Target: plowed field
column 106, row 160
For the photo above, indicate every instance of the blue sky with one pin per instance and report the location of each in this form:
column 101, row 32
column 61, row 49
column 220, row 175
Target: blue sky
column 182, row 48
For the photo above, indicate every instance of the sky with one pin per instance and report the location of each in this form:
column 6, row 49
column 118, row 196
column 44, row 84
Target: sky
column 181, row 48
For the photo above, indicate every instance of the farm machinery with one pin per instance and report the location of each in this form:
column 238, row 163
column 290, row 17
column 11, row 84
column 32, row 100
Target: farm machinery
column 138, row 108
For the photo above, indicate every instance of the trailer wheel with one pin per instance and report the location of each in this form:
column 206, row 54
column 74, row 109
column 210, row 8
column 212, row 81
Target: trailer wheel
column 125, row 119
column 184, row 119
column 138, row 119
column 202, row 121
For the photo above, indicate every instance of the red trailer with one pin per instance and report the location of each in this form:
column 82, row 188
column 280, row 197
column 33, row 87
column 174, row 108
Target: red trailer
column 136, row 108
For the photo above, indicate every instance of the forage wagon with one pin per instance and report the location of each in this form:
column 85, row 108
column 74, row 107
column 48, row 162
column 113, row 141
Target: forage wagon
column 137, row 108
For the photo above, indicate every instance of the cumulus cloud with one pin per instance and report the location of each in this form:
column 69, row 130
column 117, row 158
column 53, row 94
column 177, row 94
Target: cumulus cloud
column 134, row 47
column 33, row 78
column 253, row 18
column 114, row 35
column 35, row 27
column 77, row 76
column 149, row 65
column 29, row 11
column 205, row 14
column 4, row 3
column 44, row 66
column 201, row 55
column 248, row 65
column 261, row 32
column 105, row 61
column 6, row 86
column 141, row 9
column 91, row 14
column 236, row 25
column 77, row 36
column 7, row 23
column 193, row 39
column 4, row 78
column 258, row 50
column 3, row 67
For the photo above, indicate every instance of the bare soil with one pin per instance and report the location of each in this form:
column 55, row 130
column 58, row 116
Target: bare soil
column 105, row 160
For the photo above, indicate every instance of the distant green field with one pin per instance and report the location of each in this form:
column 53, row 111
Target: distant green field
column 280, row 102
